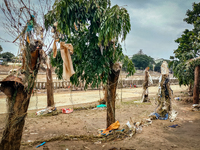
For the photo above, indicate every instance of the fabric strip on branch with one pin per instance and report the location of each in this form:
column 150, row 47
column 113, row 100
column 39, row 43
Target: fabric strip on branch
column 55, row 48
column 66, row 50
column 148, row 81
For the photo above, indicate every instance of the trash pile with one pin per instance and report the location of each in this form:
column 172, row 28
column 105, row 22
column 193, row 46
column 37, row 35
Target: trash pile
column 164, row 108
column 53, row 111
column 195, row 107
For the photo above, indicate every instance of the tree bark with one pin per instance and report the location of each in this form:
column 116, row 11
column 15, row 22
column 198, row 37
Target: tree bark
column 18, row 89
column 111, row 95
column 196, row 85
column 50, row 98
column 17, row 108
column 190, row 90
column 146, row 87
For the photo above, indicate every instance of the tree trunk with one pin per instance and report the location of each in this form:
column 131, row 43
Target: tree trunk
column 146, row 87
column 17, row 107
column 196, row 86
column 111, row 95
column 190, row 90
column 18, row 89
column 50, row 98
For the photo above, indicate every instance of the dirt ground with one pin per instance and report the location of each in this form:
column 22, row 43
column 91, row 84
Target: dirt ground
column 158, row 135
column 86, row 120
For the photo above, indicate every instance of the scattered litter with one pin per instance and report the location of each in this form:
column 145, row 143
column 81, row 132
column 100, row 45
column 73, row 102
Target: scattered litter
column 173, row 115
column 101, row 106
column 195, row 107
column 157, row 116
column 46, row 111
column 40, row 144
column 129, row 125
column 138, row 129
column 113, row 126
column 98, row 142
column 177, row 98
column 174, row 126
column 66, row 110
column 148, row 121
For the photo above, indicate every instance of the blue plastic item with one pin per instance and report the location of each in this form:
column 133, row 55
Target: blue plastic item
column 174, row 126
column 40, row 144
column 159, row 117
column 100, row 106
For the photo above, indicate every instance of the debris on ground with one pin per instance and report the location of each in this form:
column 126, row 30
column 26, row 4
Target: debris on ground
column 177, row 98
column 40, row 144
column 113, row 126
column 173, row 115
column 101, row 106
column 195, row 107
column 174, row 126
column 66, row 110
column 48, row 110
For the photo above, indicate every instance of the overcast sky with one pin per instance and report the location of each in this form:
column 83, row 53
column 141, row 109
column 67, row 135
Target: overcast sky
column 155, row 24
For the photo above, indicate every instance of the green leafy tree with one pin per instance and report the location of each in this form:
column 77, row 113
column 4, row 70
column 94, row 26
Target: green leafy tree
column 127, row 65
column 142, row 61
column 188, row 48
column 96, row 46
column 7, row 55
column 1, row 49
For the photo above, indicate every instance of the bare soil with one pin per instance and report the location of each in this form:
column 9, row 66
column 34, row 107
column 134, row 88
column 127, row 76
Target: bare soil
column 158, row 135
column 86, row 121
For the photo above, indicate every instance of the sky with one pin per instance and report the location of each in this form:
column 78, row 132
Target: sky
column 155, row 24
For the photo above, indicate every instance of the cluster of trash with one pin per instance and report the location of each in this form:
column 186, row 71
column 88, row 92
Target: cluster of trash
column 53, row 111
column 195, row 107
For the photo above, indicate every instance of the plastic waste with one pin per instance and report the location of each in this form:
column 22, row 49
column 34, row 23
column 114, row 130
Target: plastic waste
column 177, row 98
column 138, row 129
column 40, row 144
column 101, row 106
column 45, row 111
column 42, row 112
column 66, row 110
column 129, row 125
column 173, row 115
column 174, row 126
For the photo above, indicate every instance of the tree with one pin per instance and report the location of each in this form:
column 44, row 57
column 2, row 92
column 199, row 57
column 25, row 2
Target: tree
column 127, row 64
column 142, row 61
column 189, row 48
column 1, row 49
column 22, row 25
column 96, row 46
column 7, row 55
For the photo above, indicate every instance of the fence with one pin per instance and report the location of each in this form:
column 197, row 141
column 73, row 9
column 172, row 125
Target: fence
column 121, row 84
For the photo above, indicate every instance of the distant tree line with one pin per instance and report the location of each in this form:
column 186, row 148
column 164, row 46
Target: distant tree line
column 8, row 56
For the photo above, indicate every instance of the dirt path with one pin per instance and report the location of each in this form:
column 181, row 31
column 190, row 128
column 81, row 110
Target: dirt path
column 81, row 97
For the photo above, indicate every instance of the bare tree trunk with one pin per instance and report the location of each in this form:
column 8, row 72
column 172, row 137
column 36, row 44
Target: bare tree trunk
column 111, row 95
column 146, row 87
column 17, row 107
column 18, row 89
column 190, row 90
column 196, row 86
column 50, row 98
